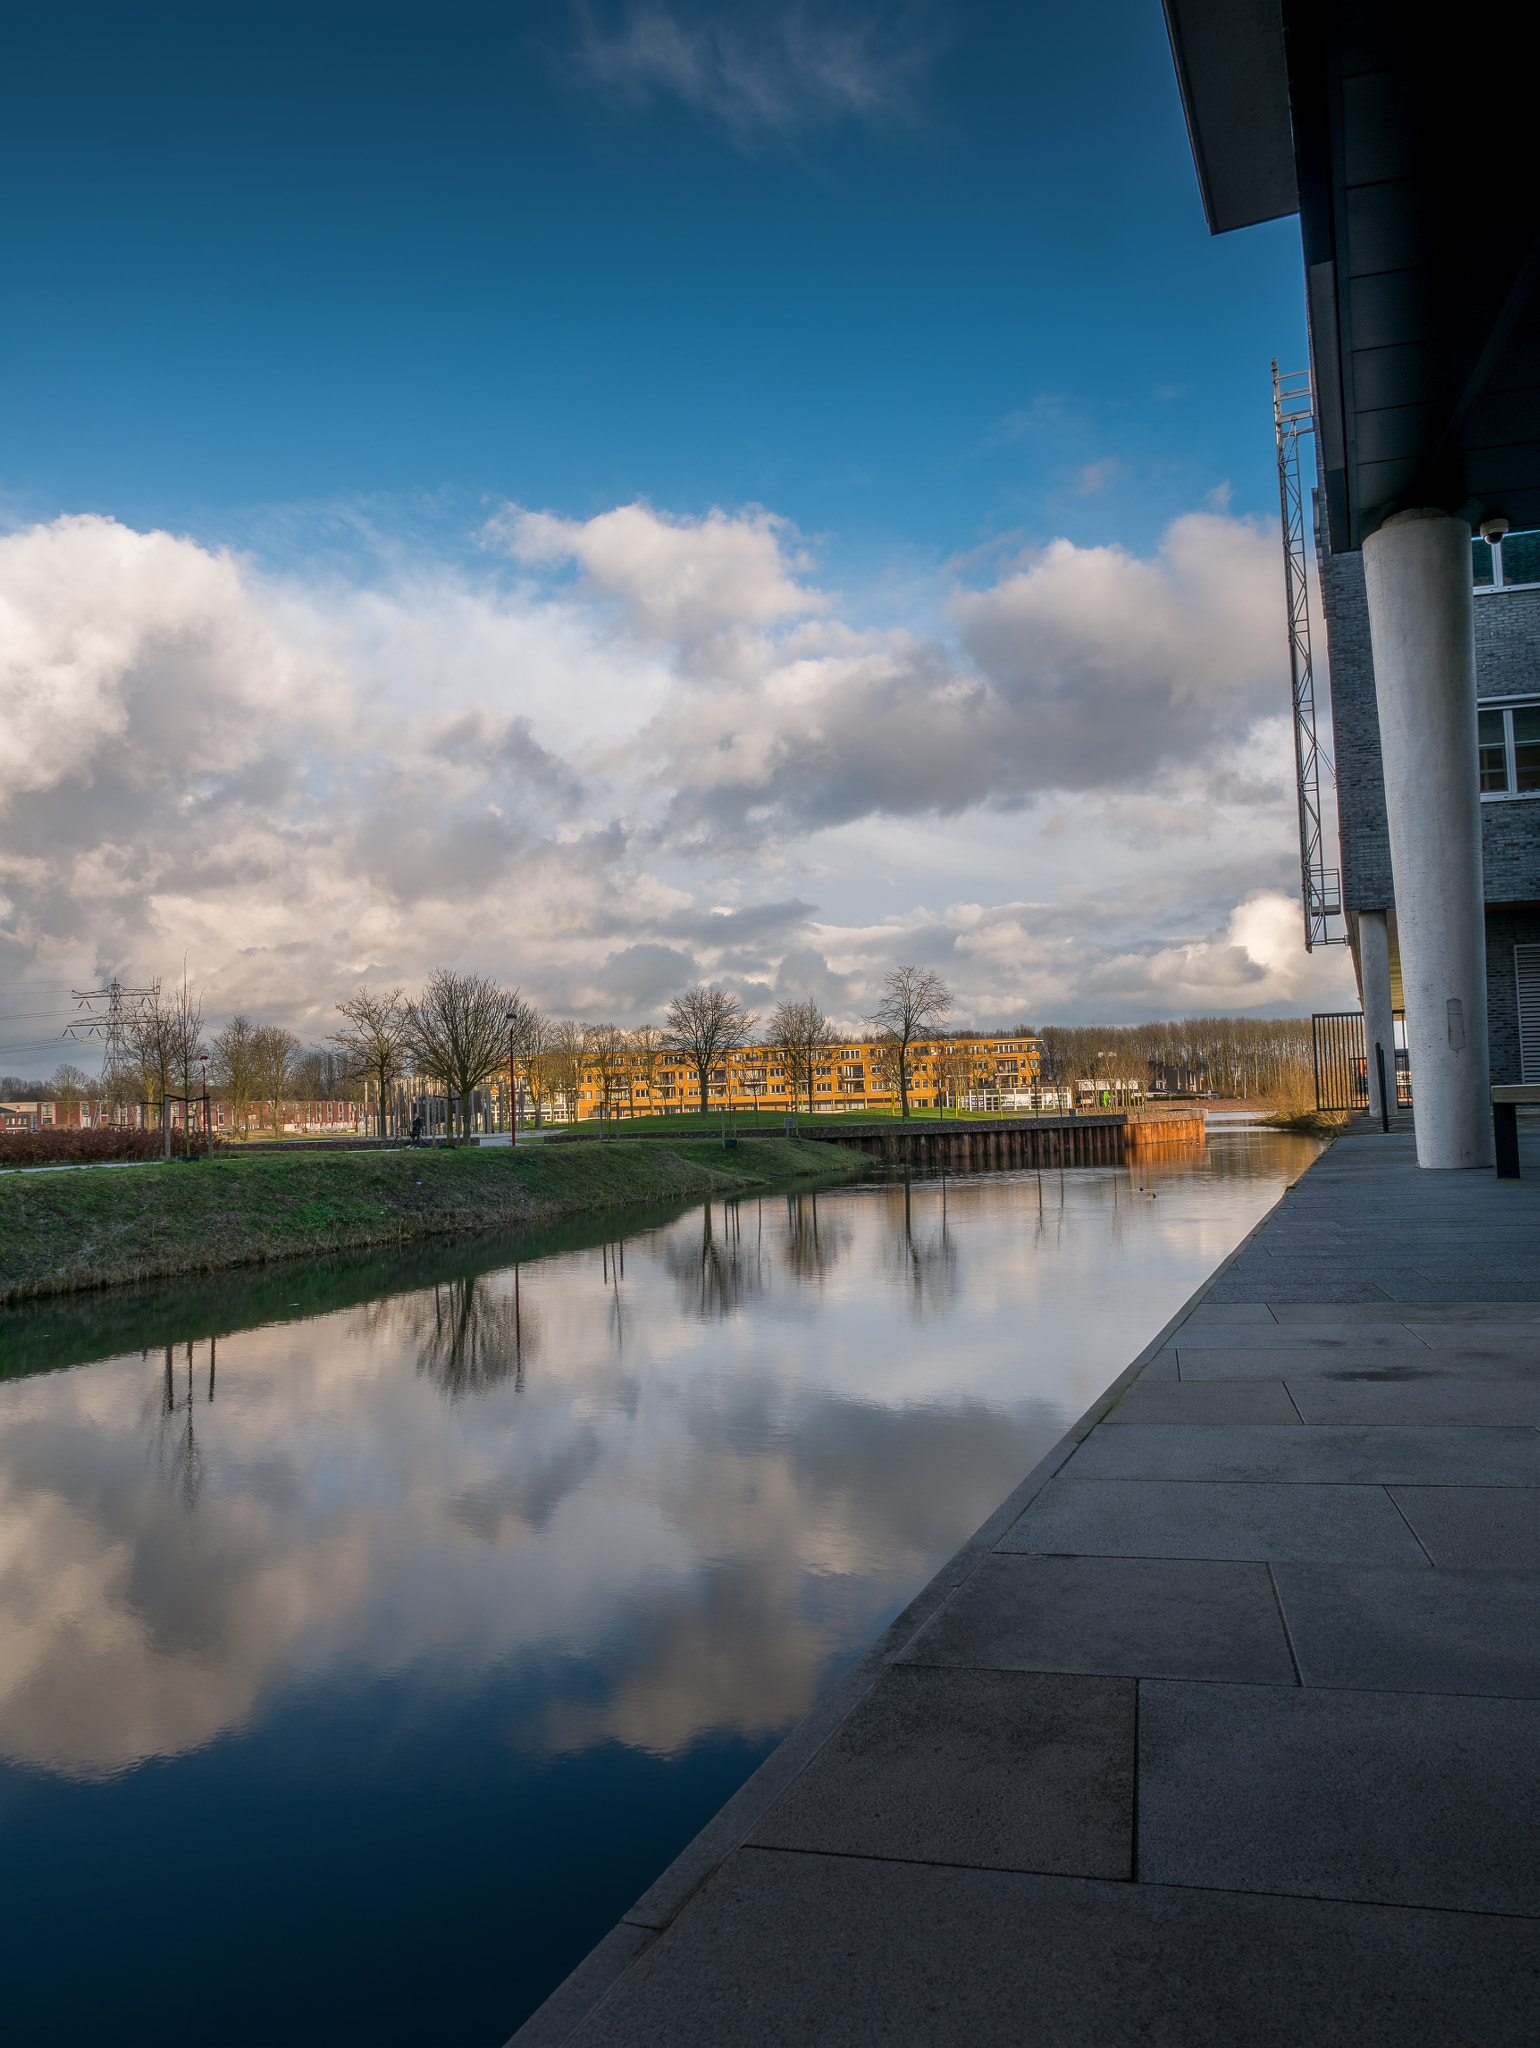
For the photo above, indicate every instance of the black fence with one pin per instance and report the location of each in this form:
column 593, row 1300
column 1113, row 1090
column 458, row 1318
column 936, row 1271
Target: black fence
column 1341, row 1076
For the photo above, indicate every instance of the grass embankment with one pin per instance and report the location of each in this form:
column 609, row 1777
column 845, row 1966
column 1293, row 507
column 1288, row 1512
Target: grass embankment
column 101, row 1226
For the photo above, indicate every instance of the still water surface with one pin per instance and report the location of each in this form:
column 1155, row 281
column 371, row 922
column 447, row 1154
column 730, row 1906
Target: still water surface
column 372, row 1634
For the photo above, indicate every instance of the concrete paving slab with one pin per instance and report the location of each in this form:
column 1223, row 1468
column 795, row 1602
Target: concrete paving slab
column 1278, row 1290
column 1385, row 1401
column 1414, row 1631
column 1482, row 1527
column 1381, row 1335
column 1139, row 1616
column 1483, row 1310
column 1221, row 1315
column 785, row 1950
column 1518, row 1343
column 1374, row 1796
column 1164, row 1399
column 1000, row 1770
column 1328, row 1455
column 1291, row 1362
column 1188, row 1518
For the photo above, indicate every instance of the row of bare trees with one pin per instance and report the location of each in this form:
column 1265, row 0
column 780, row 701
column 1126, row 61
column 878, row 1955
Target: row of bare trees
column 1266, row 1057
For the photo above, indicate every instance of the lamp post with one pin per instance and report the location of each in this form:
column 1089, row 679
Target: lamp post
column 208, row 1132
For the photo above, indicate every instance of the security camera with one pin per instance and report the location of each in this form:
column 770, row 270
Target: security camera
column 1493, row 529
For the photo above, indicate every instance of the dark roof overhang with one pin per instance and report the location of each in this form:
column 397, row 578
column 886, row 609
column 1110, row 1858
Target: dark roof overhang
column 1420, row 220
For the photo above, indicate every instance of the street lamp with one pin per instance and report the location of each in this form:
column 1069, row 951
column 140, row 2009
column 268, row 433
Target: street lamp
column 208, row 1131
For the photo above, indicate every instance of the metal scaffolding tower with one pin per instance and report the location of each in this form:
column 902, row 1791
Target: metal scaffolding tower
column 1320, row 886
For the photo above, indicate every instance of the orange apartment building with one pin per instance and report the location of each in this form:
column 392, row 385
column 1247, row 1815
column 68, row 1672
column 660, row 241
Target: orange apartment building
column 855, row 1074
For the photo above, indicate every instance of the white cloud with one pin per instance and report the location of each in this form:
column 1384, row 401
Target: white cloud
column 560, row 777
column 760, row 73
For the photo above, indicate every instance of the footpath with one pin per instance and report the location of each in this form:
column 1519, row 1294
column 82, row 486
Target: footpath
column 1224, row 1729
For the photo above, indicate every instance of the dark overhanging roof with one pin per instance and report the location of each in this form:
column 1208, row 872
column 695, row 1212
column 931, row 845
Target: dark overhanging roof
column 1408, row 161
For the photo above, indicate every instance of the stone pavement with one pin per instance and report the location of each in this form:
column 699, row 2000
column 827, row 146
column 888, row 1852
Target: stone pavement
column 1223, row 1732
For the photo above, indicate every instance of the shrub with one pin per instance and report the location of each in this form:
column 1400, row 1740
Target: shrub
column 82, row 1148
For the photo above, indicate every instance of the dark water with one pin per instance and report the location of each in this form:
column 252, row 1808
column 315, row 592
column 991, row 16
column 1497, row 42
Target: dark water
column 371, row 1635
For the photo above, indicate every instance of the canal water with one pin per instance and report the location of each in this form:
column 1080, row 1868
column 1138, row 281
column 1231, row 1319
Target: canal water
column 372, row 1633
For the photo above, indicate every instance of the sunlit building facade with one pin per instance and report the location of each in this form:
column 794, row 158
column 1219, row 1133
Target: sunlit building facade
column 960, row 1069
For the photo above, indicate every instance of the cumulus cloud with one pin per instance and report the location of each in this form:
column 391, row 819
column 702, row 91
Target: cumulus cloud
column 601, row 758
column 760, row 73
column 1082, row 668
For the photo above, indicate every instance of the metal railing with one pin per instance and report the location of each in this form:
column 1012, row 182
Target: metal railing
column 1341, row 1062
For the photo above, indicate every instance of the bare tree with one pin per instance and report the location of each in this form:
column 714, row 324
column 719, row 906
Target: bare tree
column 606, row 1052
column 536, row 1058
column 803, row 1031
column 273, row 1053
column 914, row 1001
column 186, row 1027
column 564, row 1060
column 149, row 1036
column 234, row 1063
column 458, row 1034
column 71, row 1086
column 705, row 1025
column 648, row 1045
column 374, row 1039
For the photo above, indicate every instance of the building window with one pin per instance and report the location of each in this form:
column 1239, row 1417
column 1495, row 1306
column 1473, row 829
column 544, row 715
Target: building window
column 1513, row 563
column 1508, row 736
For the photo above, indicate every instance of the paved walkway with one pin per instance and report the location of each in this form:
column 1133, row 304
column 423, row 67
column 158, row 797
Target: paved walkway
column 1223, row 1732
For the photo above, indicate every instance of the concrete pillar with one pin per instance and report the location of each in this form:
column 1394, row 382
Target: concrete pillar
column 1379, row 1021
column 1417, row 569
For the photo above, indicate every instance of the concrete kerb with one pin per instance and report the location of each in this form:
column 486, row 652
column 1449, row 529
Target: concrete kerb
column 581, row 1993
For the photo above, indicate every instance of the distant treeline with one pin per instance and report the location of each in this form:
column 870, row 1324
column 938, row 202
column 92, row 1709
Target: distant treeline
column 1242, row 1056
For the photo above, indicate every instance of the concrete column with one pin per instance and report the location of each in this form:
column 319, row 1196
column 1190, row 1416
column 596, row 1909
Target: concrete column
column 1417, row 568
column 1379, row 1020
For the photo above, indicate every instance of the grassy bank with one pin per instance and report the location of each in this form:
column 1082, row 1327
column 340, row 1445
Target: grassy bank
column 102, row 1226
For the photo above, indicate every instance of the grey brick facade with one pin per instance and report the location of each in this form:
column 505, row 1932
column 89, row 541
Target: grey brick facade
column 1507, row 630
column 1507, row 926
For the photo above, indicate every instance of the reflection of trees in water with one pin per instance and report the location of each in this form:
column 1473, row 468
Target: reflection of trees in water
column 176, row 1436
column 921, row 1250
column 814, row 1243
column 724, row 1267
column 471, row 1334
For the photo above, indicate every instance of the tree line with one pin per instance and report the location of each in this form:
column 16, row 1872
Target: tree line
column 463, row 1029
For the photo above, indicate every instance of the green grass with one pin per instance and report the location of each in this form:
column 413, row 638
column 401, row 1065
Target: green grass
column 100, row 1226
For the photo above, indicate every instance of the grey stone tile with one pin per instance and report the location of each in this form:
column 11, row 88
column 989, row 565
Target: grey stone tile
column 1223, row 1315
column 793, row 1951
column 1000, row 1770
column 1162, row 1366
column 1513, row 1343
column 1279, row 1290
column 1428, row 1293
column 1186, row 1518
column 1205, row 1401
column 1483, row 1527
column 1328, row 1455
column 1143, row 1617
column 1403, row 1799
column 1290, row 1312
column 1325, row 1338
column 1414, row 1631
column 1370, row 1366
column 1389, row 1399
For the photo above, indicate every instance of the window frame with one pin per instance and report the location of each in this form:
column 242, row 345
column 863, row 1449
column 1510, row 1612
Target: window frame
column 1530, row 701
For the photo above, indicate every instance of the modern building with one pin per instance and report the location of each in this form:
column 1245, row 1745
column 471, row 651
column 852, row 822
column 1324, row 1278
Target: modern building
column 944, row 1070
column 1388, row 132
column 1506, row 624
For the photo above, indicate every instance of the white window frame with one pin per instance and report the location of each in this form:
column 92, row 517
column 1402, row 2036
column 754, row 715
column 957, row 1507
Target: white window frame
column 1498, row 582
column 1511, row 794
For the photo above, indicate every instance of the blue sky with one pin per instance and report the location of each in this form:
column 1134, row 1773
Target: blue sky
column 276, row 254
column 335, row 296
